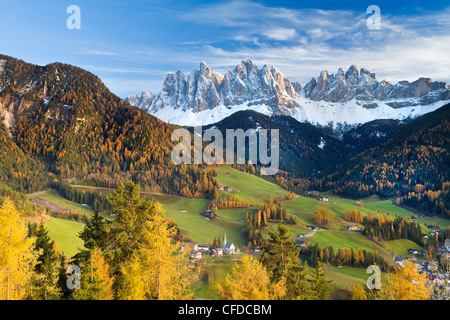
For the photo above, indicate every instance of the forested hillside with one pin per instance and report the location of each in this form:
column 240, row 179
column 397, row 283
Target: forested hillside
column 414, row 164
column 76, row 129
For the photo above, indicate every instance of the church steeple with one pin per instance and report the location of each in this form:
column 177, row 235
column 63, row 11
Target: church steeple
column 224, row 240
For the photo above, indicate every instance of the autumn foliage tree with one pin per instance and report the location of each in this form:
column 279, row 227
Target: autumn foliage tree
column 17, row 255
column 250, row 280
column 406, row 283
column 323, row 216
column 96, row 278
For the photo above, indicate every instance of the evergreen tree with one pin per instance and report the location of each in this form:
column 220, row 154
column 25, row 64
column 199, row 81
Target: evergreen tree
column 94, row 234
column 280, row 257
column 47, row 268
column 321, row 288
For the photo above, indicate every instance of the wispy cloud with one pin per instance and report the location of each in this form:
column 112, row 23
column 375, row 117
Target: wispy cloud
column 280, row 33
column 96, row 53
column 300, row 42
column 309, row 40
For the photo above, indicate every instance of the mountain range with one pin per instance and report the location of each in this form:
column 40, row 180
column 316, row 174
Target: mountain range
column 59, row 122
column 344, row 99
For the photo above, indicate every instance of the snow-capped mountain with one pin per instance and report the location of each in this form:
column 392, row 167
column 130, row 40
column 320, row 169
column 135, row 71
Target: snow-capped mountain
column 346, row 98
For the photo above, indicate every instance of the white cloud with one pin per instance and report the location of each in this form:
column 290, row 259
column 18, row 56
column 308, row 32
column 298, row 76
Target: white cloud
column 406, row 46
column 280, row 33
column 300, row 43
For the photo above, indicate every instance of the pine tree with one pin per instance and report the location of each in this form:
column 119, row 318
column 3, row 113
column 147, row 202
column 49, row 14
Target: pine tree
column 94, row 234
column 321, row 288
column 280, row 257
column 47, row 269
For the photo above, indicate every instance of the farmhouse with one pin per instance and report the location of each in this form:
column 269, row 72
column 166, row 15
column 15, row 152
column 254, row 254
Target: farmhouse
column 433, row 266
column 203, row 247
column 224, row 188
column 305, row 235
column 447, row 245
column 399, row 261
column 191, row 245
column 196, row 254
column 217, row 252
column 351, row 228
column 300, row 243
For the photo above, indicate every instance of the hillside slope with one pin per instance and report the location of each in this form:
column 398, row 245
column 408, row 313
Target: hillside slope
column 67, row 119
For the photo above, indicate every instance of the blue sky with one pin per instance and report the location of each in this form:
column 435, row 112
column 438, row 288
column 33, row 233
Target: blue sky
column 132, row 44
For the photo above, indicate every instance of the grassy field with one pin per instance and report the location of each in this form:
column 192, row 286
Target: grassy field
column 174, row 204
column 247, row 186
column 235, row 214
column 400, row 247
column 386, row 206
column 55, row 198
column 350, row 240
column 65, row 233
column 343, row 280
column 215, row 270
column 441, row 222
column 197, row 227
column 340, row 205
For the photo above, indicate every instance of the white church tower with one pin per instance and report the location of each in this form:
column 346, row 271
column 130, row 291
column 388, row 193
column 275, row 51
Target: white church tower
column 224, row 244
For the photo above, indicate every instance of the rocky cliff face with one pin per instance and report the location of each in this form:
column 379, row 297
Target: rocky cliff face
column 363, row 85
column 205, row 89
column 347, row 97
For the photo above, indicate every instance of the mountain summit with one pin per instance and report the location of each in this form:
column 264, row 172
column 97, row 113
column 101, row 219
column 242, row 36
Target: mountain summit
column 348, row 97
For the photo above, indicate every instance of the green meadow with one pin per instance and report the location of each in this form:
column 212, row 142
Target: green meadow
column 442, row 223
column 198, row 228
column 400, row 247
column 247, row 186
column 341, row 205
column 344, row 278
column 214, row 271
column 53, row 197
column 65, row 233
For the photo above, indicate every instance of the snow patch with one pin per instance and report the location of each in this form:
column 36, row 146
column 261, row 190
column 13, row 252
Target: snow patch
column 322, row 143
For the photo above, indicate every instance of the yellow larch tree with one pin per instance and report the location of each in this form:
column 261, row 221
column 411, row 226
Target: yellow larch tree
column 96, row 280
column 406, row 283
column 17, row 255
column 158, row 270
column 250, row 281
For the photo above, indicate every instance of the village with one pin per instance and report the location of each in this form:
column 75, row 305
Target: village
column 436, row 279
column 197, row 251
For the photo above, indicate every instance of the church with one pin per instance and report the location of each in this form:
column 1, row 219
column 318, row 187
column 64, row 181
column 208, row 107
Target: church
column 228, row 247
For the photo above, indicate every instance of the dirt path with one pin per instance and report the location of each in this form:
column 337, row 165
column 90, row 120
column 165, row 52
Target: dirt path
column 42, row 218
column 53, row 207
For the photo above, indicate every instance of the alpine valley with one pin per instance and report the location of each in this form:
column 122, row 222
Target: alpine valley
column 358, row 159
